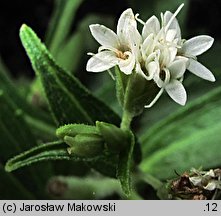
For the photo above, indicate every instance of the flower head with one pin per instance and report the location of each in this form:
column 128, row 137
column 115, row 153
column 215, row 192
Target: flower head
column 159, row 53
column 165, row 56
column 116, row 49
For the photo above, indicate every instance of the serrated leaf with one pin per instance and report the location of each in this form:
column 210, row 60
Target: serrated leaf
column 69, row 100
column 188, row 138
column 124, row 166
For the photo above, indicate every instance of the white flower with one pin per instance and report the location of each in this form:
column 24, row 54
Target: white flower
column 165, row 56
column 205, row 179
column 159, row 56
column 116, row 49
column 194, row 47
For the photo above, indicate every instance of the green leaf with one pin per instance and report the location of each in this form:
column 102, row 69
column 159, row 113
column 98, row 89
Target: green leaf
column 188, row 138
column 11, row 91
column 69, row 100
column 124, row 166
column 71, row 52
column 58, row 151
column 61, row 24
column 14, row 137
column 49, row 151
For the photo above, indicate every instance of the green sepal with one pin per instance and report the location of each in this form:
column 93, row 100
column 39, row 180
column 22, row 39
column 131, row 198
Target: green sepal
column 134, row 91
column 74, row 129
column 139, row 92
column 121, row 84
column 85, row 145
column 115, row 138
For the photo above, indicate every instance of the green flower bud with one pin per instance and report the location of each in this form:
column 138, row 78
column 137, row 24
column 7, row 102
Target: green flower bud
column 85, row 145
column 114, row 138
column 74, row 129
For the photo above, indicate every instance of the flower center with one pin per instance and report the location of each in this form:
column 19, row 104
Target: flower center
column 122, row 55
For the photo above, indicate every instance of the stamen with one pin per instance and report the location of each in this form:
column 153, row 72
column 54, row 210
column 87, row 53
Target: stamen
column 167, row 77
column 155, row 99
column 122, row 55
column 90, row 54
column 139, row 20
column 111, row 74
column 173, row 17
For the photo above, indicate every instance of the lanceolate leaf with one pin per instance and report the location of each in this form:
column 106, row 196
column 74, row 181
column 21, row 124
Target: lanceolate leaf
column 48, row 151
column 69, row 100
column 188, row 138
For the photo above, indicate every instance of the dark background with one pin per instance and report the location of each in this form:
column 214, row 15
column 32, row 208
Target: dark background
column 202, row 14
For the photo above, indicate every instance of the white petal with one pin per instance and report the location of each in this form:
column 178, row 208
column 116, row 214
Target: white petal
column 172, row 52
column 210, row 173
column 174, row 24
column 128, row 65
column 104, row 36
column 196, row 180
column 178, row 67
column 153, row 68
column 134, row 42
column 147, row 46
column 102, row 61
column 201, row 71
column 177, row 92
column 210, row 186
column 197, row 45
column 170, row 35
column 151, row 26
column 125, row 21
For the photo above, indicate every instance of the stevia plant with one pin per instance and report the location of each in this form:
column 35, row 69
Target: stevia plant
column 87, row 134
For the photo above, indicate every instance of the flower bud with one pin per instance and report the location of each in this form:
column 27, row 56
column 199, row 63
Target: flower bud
column 85, row 145
column 74, row 129
column 114, row 138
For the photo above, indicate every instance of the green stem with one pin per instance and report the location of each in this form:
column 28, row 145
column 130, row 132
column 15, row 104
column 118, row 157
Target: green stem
column 126, row 120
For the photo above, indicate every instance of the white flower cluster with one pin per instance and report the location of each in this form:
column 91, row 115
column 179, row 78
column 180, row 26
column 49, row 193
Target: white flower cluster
column 209, row 180
column 158, row 53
